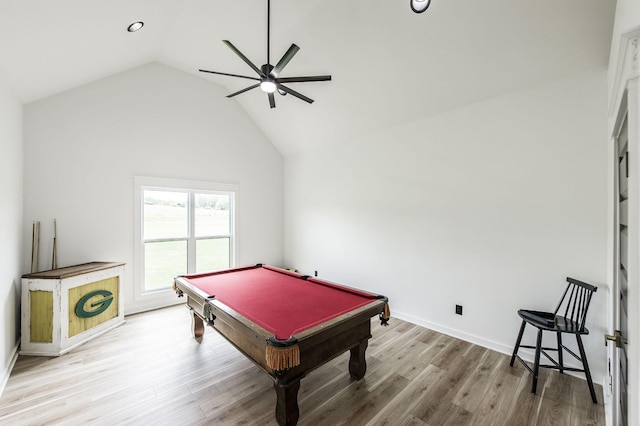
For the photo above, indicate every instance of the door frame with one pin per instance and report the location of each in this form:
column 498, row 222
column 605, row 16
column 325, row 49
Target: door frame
column 625, row 102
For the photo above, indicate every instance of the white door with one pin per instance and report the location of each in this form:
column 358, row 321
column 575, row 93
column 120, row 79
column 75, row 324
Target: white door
column 624, row 323
column 618, row 365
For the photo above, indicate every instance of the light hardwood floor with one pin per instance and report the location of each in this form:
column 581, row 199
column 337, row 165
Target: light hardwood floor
column 150, row 371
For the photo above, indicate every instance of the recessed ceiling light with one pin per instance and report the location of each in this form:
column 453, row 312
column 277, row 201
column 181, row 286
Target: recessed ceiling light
column 135, row 26
column 419, row 6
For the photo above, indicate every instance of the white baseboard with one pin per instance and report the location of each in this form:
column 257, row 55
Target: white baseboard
column 490, row 344
column 525, row 354
column 7, row 372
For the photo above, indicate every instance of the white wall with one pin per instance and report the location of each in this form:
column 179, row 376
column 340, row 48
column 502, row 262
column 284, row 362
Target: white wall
column 489, row 206
column 83, row 148
column 11, row 240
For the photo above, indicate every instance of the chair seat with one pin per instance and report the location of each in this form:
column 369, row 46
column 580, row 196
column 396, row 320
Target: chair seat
column 546, row 319
column 550, row 321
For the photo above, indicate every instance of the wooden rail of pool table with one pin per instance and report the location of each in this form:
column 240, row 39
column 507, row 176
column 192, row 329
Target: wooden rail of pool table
column 317, row 345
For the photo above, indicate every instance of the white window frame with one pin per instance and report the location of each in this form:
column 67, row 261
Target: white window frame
column 159, row 298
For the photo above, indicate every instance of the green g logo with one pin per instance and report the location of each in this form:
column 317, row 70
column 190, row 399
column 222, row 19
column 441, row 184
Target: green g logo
column 100, row 306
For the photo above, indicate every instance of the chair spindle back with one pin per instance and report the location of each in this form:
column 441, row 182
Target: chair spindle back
column 575, row 302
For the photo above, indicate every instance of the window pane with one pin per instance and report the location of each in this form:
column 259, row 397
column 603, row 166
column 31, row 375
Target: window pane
column 162, row 262
column 212, row 215
column 212, row 254
column 165, row 214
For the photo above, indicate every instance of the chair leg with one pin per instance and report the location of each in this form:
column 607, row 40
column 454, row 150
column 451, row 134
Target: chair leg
column 560, row 350
column 517, row 346
column 587, row 372
column 536, row 365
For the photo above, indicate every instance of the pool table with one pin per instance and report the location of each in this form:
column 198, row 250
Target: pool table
column 286, row 323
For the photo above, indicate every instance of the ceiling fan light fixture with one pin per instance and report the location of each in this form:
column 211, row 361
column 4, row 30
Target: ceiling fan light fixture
column 135, row 26
column 269, row 79
column 419, row 6
column 268, row 86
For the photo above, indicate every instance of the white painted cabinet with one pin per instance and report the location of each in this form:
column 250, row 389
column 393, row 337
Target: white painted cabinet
column 63, row 308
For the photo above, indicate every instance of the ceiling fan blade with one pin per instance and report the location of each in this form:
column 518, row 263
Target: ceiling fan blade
column 304, row 79
column 294, row 93
column 230, row 75
column 289, row 54
column 243, row 90
column 272, row 100
column 244, row 58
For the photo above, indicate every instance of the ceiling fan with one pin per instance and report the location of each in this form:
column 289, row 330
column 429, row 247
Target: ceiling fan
column 269, row 79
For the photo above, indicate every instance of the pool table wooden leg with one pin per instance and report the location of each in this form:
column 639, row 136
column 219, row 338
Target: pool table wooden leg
column 357, row 361
column 197, row 327
column 287, row 411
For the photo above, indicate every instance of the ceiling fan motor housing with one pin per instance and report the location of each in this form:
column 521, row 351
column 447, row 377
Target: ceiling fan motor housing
column 266, row 69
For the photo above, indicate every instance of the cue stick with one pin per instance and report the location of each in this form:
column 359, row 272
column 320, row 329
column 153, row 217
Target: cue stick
column 33, row 238
column 37, row 265
column 54, row 257
column 35, row 245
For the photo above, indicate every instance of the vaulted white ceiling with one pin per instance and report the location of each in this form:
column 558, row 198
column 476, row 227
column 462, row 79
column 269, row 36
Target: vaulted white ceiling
column 389, row 65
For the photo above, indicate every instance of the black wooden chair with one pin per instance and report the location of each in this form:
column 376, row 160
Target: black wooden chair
column 568, row 318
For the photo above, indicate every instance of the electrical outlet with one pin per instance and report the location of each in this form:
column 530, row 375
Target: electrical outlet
column 459, row 309
column 315, row 273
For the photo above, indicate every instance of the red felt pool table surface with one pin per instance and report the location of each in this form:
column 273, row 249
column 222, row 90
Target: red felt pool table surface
column 282, row 302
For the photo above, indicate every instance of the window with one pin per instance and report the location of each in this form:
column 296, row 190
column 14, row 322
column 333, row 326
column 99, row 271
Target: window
column 184, row 227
